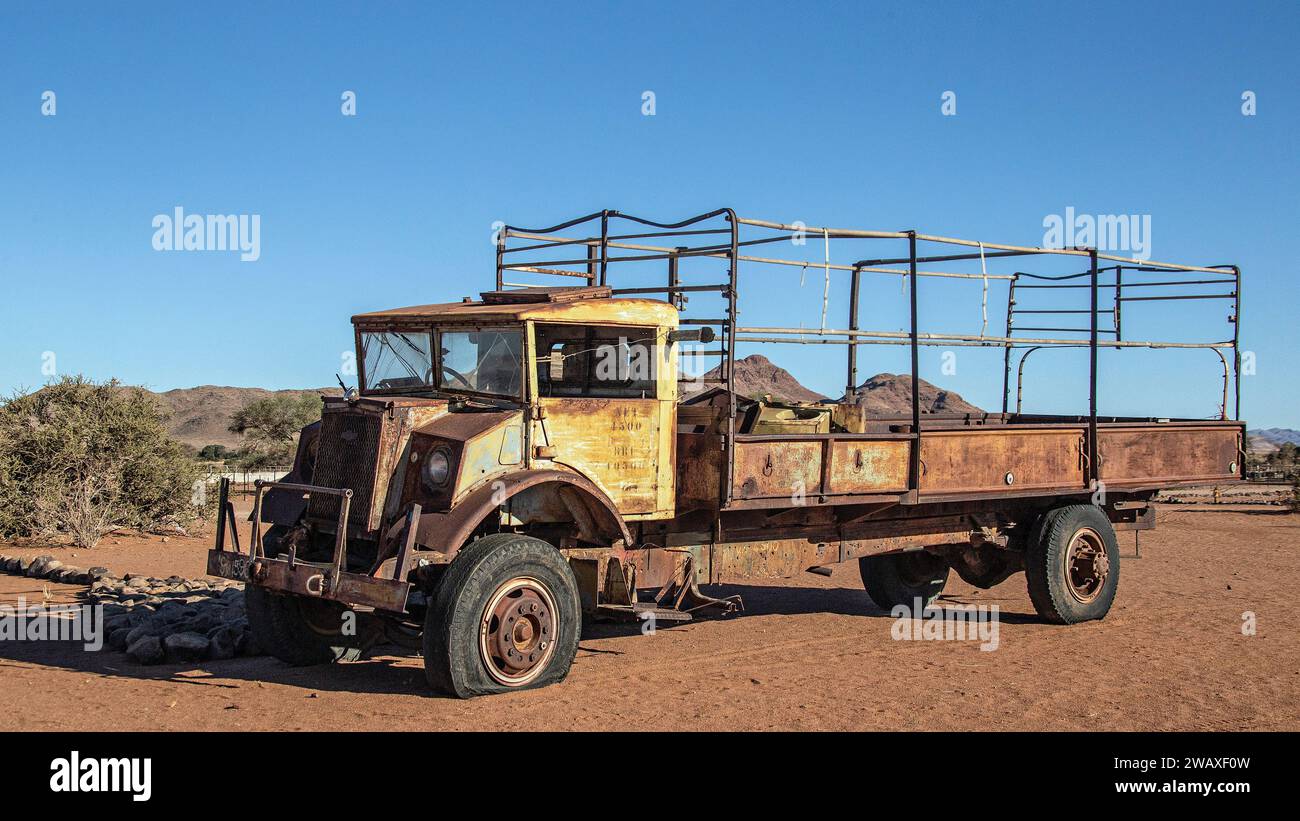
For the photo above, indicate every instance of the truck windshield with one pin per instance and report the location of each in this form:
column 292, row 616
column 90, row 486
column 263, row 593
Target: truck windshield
column 481, row 361
column 397, row 359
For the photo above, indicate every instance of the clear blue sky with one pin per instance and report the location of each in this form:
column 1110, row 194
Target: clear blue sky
column 470, row 113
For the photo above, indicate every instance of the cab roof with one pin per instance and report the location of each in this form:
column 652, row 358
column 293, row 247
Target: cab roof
column 570, row 304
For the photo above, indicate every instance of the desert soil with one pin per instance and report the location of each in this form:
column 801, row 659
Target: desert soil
column 807, row 653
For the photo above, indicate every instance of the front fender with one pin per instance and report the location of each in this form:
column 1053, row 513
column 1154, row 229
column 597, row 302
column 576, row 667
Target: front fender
column 591, row 509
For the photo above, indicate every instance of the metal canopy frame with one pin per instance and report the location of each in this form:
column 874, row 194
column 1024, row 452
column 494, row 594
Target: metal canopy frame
column 717, row 235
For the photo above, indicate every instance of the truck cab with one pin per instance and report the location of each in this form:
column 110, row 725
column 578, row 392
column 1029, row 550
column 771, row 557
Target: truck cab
column 549, row 412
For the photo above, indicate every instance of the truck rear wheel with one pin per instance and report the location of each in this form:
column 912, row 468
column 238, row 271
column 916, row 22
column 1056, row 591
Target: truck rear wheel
column 302, row 631
column 506, row 616
column 1072, row 565
column 902, row 578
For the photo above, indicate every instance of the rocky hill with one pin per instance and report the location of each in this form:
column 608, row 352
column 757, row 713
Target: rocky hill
column 1268, row 440
column 756, row 375
column 891, row 394
column 200, row 416
column 885, row 393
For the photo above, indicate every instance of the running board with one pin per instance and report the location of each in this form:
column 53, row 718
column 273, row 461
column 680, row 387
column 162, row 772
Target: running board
column 640, row 611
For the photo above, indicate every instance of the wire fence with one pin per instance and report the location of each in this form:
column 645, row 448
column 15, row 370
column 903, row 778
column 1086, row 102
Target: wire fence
column 241, row 479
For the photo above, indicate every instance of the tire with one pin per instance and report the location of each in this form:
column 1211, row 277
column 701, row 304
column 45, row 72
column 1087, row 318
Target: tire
column 1072, row 565
column 466, row 631
column 303, row 631
column 902, row 578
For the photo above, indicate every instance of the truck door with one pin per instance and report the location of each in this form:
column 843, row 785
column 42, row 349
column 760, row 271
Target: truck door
column 608, row 410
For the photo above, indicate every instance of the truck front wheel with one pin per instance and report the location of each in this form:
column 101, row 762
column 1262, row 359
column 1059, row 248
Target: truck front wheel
column 506, row 616
column 302, row 631
column 902, row 578
column 1072, row 565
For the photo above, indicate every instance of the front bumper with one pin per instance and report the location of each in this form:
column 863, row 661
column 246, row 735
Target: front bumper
column 310, row 579
column 314, row 579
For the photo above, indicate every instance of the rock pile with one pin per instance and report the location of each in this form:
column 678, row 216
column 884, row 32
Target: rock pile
column 156, row 620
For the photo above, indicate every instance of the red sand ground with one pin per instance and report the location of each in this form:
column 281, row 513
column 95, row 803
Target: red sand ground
column 808, row 653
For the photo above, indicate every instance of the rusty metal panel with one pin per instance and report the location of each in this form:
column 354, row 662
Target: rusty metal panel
column 777, row 559
column 699, row 466
column 1001, row 459
column 859, row 466
column 1169, row 453
column 496, row 451
column 784, row 558
column 615, row 442
column 777, row 469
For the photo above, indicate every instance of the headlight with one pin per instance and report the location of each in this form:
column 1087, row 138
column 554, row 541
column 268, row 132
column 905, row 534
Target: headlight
column 437, row 468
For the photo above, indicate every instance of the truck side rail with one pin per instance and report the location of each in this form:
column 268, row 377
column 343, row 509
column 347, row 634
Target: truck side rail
column 722, row 235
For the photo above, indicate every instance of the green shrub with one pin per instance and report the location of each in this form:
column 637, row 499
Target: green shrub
column 82, row 458
column 271, row 426
column 214, row 453
column 276, row 419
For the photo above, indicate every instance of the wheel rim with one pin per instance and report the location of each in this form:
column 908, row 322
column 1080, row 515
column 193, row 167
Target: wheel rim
column 517, row 631
column 1086, row 565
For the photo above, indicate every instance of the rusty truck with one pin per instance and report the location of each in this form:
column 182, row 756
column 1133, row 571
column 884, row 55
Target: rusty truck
column 511, row 464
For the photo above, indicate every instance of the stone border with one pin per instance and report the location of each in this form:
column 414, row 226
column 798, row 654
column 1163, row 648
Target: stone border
column 153, row 620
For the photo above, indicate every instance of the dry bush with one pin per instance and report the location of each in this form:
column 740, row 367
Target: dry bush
column 83, row 458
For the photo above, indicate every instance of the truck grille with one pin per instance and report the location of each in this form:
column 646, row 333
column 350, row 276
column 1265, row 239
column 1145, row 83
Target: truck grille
column 348, row 457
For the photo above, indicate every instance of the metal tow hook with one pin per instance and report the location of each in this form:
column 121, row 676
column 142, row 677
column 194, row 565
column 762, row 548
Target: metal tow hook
column 317, row 585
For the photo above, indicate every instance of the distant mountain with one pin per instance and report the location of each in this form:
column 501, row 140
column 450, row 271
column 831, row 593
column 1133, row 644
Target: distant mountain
column 886, row 394
column 889, row 394
column 756, row 375
column 1268, row 440
column 200, row 416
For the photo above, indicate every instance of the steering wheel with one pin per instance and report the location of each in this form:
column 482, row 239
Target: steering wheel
column 458, row 375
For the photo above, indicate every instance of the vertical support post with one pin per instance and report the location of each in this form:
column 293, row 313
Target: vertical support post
column 1006, row 351
column 501, row 252
column 223, row 495
column 728, row 365
column 1119, row 303
column 406, row 553
column 675, row 280
column 592, row 260
column 1020, row 377
column 340, row 540
column 914, row 467
column 1236, row 348
column 255, row 546
column 854, row 283
column 604, row 244
column 1093, row 467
